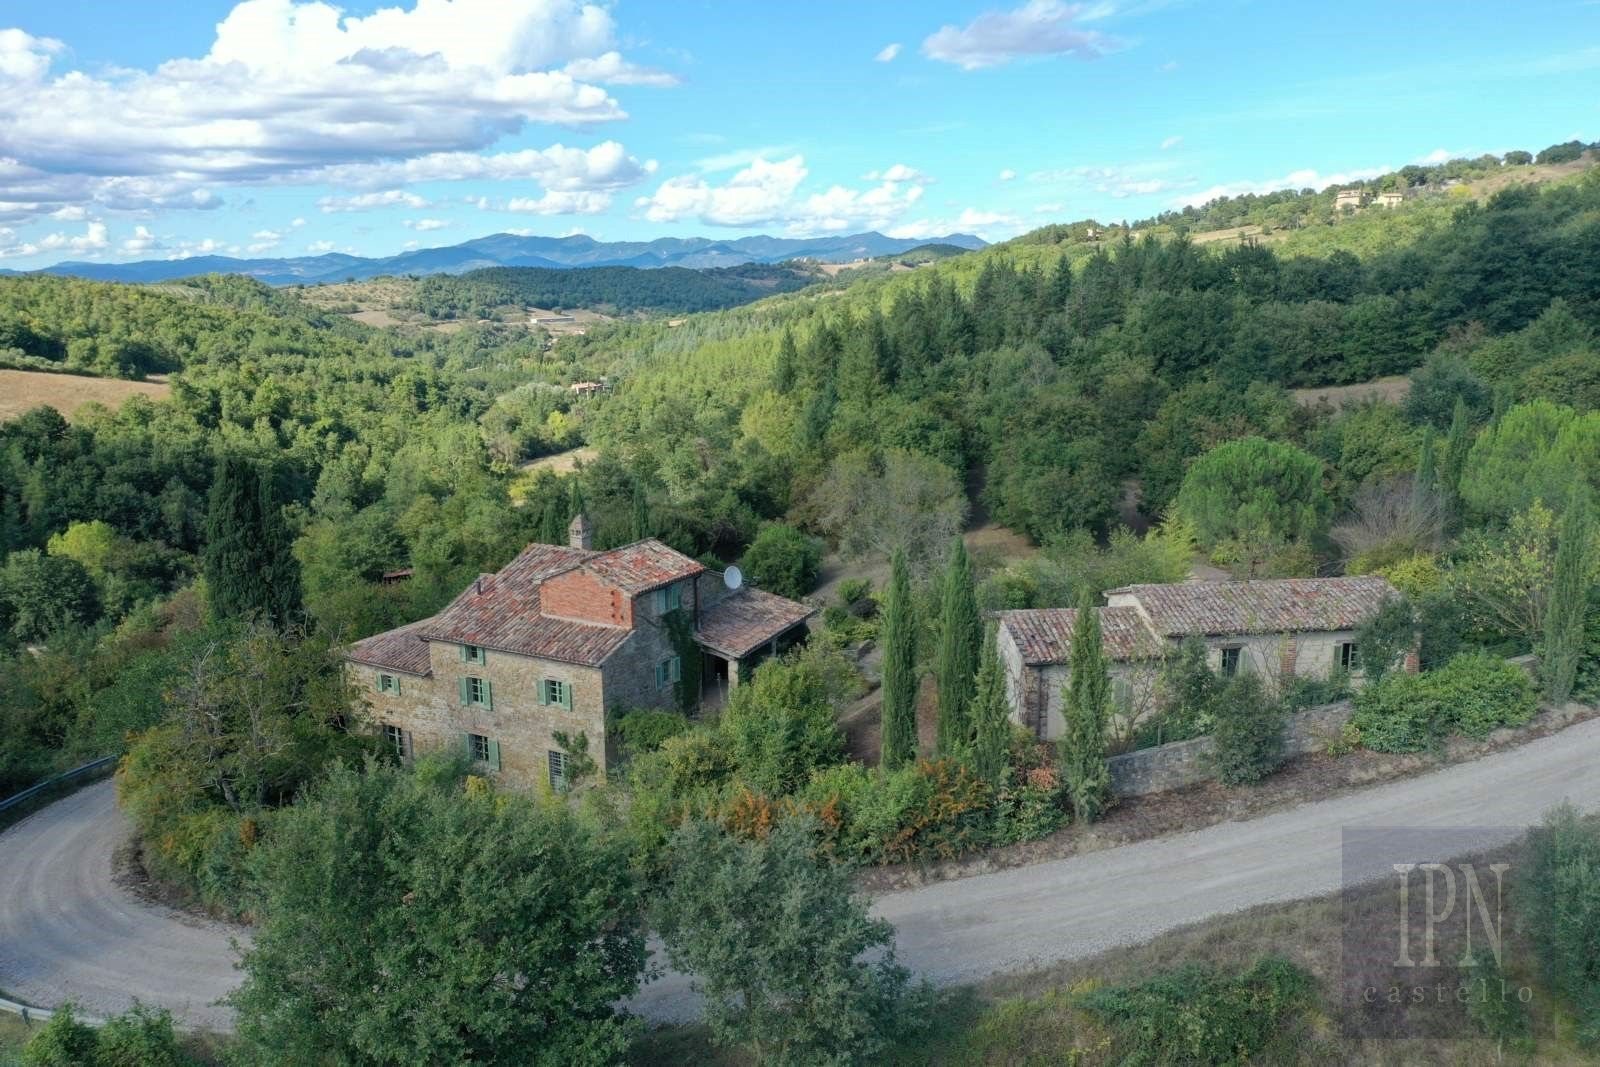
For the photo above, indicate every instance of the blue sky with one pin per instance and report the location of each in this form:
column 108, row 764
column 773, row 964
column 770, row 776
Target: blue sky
column 281, row 128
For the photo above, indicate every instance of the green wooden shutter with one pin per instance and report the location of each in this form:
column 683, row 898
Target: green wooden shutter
column 466, row 744
column 494, row 754
column 566, row 695
column 463, row 651
column 543, row 682
column 488, row 694
column 466, row 690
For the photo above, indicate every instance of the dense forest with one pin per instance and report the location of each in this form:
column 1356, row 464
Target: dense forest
column 481, row 294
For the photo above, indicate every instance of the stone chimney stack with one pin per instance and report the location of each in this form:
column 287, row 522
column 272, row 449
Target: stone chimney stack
column 580, row 533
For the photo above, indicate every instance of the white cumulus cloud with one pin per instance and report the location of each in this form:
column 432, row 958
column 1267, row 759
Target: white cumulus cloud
column 424, row 225
column 1037, row 28
column 770, row 191
column 331, row 205
column 1306, row 178
column 888, row 53
column 290, row 90
column 1008, row 175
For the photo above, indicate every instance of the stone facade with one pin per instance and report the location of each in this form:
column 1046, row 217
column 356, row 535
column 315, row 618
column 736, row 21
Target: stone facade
column 1185, row 763
column 595, row 622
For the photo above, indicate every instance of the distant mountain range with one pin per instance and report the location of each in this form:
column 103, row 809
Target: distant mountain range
column 510, row 250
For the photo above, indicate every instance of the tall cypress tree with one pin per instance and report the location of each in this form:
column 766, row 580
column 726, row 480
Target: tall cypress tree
column 1087, row 699
column 787, row 367
column 899, row 716
column 959, row 635
column 1457, row 443
column 1425, row 485
column 641, row 513
column 991, row 715
column 1569, row 599
column 249, row 568
column 575, row 499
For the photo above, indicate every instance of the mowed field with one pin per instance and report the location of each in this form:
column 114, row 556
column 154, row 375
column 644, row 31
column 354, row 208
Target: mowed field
column 23, row 390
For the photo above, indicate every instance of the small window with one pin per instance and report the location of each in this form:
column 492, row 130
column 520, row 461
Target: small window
column 472, row 654
column 558, row 771
column 1230, row 661
column 552, row 691
column 388, row 683
column 669, row 598
column 478, row 748
column 1349, row 657
column 395, row 738
column 668, row 671
column 477, row 691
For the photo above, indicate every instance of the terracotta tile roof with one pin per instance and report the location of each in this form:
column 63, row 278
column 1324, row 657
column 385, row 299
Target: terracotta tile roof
column 505, row 616
column 745, row 620
column 1256, row 607
column 401, row 649
column 1044, row 635
column 641, row 566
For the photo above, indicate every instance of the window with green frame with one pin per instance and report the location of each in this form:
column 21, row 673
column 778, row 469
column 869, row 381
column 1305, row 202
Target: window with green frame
column 473, row 654
column 481, row 749
column 477, row 692
column 388, row 683
column 669, row 598
column 668, row 672
column 553, row 691
column 558, row 770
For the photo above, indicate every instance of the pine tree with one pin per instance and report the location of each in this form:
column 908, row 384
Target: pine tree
column 959, row 635
column 991, row 715
column 899, row 716
column 1425, row 484
column 1087, row 697
column 1569, row 599
column 249, row 568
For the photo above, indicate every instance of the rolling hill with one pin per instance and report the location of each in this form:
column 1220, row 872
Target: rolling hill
column 512, row 250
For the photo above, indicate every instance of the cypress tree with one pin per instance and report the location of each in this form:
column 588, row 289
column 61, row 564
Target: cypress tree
column 1569, row 599
column 1425, row 484
column 991, row 716
column 1087, row 697
column 553, row 522
column 899, row 716
column 249, row 568
column 575, row 499
column 788, row 365
column 641, row 513
column 1457, row 443
column 959, row 634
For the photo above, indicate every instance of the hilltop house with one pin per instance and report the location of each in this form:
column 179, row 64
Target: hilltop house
column 1301, row 627
column 553, row 641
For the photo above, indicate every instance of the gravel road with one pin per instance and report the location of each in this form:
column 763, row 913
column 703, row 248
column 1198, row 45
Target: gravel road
column 67, row 931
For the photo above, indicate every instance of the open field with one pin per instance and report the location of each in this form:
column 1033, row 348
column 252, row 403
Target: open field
column 22, row 390
column 1390, row 390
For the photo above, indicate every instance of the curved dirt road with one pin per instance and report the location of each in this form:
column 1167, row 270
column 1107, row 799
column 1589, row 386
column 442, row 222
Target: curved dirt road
column 66, row 931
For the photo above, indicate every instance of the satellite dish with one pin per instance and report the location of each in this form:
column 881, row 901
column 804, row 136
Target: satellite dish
column 733, row 577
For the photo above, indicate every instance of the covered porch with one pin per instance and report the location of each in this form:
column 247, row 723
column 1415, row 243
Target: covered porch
column 740, row 631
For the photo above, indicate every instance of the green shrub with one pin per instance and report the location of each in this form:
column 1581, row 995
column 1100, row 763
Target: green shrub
column 64, row 1041
column 1560, row 884
column 1474, row 693
column 930, row 810
column 1194, row 1015
column 784, row 724
column 646, row 729
column 783, row 560
column 1501, row 1017
column 854, row 590
column 1027, row 805
column 1247, row 732
column 141, row 1037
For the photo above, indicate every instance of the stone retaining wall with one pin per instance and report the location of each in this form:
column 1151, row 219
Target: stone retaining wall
column 1186, row 763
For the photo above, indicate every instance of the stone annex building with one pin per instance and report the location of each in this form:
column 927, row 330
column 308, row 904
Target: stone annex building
column 1301, row 627
column 552, row 642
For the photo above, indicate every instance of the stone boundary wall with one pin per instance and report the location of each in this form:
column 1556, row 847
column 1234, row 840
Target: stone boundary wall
column 1186, row 763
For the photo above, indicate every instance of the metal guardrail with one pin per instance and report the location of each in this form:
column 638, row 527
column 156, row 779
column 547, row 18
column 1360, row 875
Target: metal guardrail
column 66, row 776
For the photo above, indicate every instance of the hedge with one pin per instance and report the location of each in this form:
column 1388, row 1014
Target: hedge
column 1474, row 694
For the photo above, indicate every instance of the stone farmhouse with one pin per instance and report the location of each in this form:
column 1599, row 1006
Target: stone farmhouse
column 552, row 642
column 1279, row 628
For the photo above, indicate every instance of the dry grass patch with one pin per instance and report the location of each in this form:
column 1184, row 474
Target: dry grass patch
column 24, row 390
